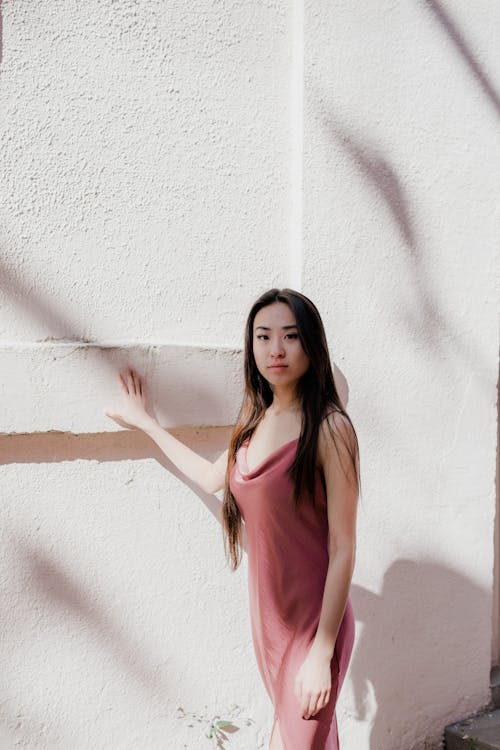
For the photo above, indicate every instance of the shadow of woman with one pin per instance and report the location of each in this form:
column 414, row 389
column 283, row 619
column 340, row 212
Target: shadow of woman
column 421, row 650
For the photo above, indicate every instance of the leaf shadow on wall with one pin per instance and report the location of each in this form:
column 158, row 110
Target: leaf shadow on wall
column 430, row 323
column 68, row 597
column 57, row 594
column 457, row 37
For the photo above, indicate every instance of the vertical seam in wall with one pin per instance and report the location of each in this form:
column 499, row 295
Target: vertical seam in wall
column 296, row 125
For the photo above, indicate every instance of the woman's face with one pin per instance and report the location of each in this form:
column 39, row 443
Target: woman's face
column 276, row 342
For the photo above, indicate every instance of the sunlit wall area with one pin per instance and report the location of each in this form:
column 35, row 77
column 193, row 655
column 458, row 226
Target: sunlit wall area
column 162, row 165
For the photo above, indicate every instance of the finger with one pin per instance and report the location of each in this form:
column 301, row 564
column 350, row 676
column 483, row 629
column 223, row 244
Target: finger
column 120, row 421
column 122, row 383
column 319, row 703
column 311, row 707
column 141, row 387
column 131, row 381
column 135, row 380
column 306, row 699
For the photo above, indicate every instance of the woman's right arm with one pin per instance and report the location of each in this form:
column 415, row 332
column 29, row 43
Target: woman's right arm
column 207, row 475
column 132, row 413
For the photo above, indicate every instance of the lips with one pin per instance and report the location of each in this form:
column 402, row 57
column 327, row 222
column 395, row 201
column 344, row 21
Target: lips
column 278, row 367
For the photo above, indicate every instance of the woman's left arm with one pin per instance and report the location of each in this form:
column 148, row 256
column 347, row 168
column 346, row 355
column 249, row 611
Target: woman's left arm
column 342, row 499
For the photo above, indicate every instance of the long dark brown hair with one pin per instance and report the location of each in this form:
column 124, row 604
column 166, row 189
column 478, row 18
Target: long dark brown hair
column 318, row 396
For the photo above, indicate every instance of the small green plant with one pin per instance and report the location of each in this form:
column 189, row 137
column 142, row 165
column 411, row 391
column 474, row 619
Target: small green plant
column 216, row 728
column 472, row 741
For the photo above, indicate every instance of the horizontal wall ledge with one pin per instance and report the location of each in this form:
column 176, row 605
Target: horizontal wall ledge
column 67, row 386
column 133, row 445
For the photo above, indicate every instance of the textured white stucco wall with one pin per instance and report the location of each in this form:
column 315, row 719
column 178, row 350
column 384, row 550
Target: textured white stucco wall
column 161, row 166
column 402, row 114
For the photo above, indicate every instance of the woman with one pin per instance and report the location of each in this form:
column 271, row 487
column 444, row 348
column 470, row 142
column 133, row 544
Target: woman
column 291, row 475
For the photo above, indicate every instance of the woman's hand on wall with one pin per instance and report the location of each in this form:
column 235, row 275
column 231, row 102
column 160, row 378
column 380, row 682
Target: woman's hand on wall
column 131, row 412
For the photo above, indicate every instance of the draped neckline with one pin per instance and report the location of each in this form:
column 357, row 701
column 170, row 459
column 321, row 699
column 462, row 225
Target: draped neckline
column 251, row 472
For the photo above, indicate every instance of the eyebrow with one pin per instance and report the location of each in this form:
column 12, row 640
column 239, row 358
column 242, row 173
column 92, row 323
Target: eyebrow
column 284, row 328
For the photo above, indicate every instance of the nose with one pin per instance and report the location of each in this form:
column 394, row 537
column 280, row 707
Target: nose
column 277, row 348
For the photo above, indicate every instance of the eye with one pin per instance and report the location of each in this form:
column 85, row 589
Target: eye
column 292, row 335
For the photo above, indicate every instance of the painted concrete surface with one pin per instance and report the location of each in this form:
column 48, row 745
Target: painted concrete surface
column 120, row 607
column 162, row 165
column 401, row 133
column 88, row 375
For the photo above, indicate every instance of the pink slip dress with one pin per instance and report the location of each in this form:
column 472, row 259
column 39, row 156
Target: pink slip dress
column 288, row 554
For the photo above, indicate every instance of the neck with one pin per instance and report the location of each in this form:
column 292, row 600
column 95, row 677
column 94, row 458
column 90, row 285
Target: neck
column 284, row 401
